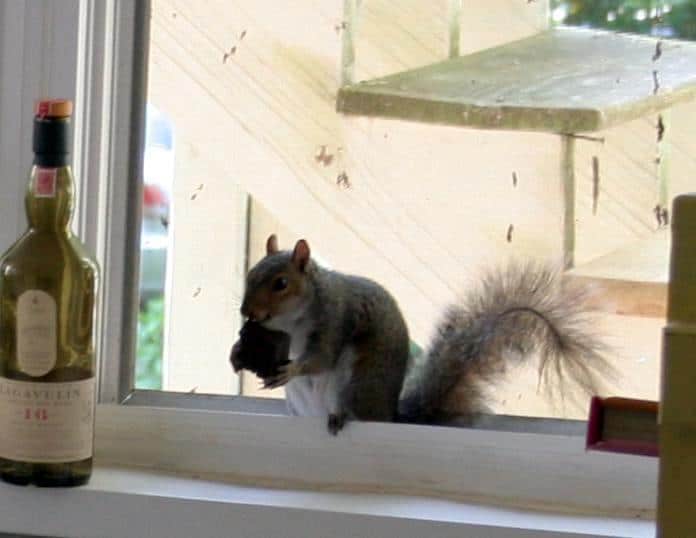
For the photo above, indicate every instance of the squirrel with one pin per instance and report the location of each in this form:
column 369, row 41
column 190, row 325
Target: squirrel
column 348, row 342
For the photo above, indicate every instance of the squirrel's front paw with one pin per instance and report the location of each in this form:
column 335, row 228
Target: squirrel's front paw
column 285, row 373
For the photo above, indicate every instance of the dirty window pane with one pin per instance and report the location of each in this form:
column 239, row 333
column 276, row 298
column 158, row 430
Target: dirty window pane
column 244, row 140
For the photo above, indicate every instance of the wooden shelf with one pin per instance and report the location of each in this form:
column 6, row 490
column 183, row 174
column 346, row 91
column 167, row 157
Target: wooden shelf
column 632, row 280
column 565, row 80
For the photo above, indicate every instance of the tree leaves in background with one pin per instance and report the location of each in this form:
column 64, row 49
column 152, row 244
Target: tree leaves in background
column 637, row 16
column 148, row 364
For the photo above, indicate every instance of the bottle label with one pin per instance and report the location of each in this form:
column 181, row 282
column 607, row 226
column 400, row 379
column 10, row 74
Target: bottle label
column 45, row 184
column 46, row 422
column 36, row 333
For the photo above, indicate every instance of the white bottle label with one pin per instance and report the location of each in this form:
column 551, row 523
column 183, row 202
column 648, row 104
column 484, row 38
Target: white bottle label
column 36, row 333
column 46, row 422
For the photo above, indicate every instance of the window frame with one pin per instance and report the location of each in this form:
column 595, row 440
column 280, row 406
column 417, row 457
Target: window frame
column 492, row 463
column 109, row 132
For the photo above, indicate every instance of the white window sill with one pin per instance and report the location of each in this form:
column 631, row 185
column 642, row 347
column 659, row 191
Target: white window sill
column 125, row 502
column 518, row 469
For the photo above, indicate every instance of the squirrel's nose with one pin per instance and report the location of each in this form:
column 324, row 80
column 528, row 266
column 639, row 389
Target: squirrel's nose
column 246, row 310
column 259, row 315
column 254, row 314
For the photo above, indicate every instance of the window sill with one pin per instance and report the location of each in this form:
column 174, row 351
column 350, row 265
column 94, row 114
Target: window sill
column 120, row 501
column 551, row 472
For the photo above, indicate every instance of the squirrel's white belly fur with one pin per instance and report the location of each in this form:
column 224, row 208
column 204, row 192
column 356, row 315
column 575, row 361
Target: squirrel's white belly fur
column 307, row 396
column 313, row 395
column 317, row 395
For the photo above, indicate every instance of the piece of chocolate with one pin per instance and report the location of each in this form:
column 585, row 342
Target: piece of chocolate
column 260, row 350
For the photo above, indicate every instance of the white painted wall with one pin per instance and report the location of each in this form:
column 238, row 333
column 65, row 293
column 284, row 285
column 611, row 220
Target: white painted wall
column 30, row 51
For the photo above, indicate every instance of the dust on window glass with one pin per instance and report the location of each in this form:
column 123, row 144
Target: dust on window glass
column 244, row 140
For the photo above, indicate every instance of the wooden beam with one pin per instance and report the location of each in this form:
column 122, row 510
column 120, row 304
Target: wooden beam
column 625, row 298
column 676, row 499
column 567, row 176
column 455, row 26
column 565, row 80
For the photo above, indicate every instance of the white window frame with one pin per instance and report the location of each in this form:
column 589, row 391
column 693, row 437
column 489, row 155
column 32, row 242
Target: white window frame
column 244, row 439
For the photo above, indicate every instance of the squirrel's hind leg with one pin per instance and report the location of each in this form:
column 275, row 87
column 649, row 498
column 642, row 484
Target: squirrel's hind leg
column 372, row 392
column 336, row 382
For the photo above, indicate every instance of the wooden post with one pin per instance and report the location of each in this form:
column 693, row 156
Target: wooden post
column 663, row 157
column 568, row 189
column 676, row 498
column 349, row 29
column 454, row 17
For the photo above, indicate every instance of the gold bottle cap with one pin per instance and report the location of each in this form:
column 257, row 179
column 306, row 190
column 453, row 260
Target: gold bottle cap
column 54, row 108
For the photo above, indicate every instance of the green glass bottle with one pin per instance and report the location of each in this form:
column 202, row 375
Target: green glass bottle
column 48, row 287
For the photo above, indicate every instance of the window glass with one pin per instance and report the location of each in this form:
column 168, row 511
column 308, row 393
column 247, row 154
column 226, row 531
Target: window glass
column 158, row 177
column 243, row 140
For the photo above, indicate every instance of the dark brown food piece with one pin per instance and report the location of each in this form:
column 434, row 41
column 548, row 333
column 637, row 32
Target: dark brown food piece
column 260, row 350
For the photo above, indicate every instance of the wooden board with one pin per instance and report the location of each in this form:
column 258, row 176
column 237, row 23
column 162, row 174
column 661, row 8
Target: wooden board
column 562, row 80
column 424, row 206
column 633, row 279
column 646, row 260
column 419, row 218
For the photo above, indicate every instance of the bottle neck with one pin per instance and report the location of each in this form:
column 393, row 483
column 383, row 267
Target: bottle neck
column 52, row 160
column 49, row 198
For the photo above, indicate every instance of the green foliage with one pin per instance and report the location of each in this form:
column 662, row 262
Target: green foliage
column 148, row 364
column 637, row 16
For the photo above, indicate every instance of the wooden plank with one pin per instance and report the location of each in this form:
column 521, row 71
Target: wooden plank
column 617, row 208
column 565, row 80
column 200, row 286
column 646, row 260
column 349, row 28
column 632, row 280
column 424, row 206
column 626, row 298
column 455, row 27
column 410, row 215
column 622, row 247
column 396, row 35
column 567, row 181
column 676, row 502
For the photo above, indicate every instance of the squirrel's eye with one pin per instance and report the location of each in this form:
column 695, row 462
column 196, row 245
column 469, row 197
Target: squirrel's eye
column 280, row 283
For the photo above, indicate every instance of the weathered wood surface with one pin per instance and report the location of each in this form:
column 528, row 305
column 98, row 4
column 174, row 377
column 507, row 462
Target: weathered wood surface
column 417, row 217
column 621, row 243
column 645, row 260
column 565, row 80
column 422, row 207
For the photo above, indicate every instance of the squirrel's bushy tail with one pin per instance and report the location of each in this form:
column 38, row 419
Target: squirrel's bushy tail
column 517, row 312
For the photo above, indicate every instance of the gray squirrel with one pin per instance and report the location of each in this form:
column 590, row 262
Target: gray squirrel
column 348, row 342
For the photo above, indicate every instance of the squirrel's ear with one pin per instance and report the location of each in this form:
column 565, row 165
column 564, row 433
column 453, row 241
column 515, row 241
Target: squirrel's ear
column 271, row 245
column 300, row 256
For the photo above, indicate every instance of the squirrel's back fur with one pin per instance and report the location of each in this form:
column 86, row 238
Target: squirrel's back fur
column 517, row 312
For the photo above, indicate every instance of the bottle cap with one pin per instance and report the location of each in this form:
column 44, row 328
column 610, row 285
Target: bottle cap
column 53, row 108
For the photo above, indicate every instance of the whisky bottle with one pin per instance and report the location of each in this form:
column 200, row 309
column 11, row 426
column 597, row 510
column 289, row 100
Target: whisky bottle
column 48, row 287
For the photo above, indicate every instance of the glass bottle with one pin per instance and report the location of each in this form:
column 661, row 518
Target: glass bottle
column 48, row 287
